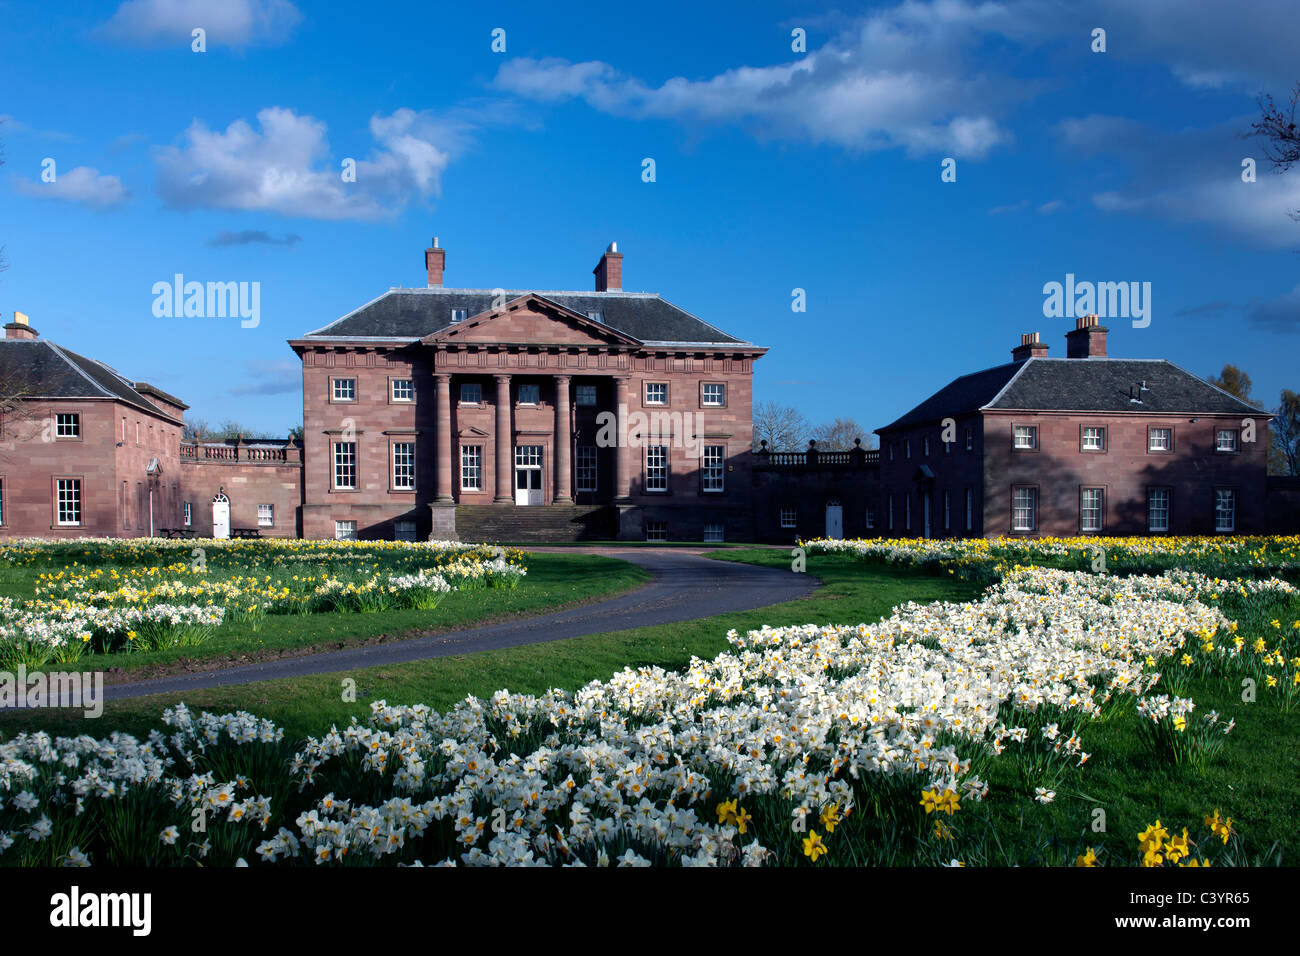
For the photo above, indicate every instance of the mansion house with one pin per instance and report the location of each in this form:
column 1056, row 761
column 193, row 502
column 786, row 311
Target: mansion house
column 514, row 414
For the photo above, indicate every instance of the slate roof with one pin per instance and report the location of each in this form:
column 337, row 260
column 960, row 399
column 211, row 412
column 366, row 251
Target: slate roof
column 1078, row 385
column 37, row 368
column 415, row 313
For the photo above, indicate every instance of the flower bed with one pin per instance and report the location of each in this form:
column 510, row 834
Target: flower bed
column 810, row 744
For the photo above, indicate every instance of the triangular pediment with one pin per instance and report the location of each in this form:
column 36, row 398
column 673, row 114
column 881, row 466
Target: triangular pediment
column 471, row 432
column 531, row 319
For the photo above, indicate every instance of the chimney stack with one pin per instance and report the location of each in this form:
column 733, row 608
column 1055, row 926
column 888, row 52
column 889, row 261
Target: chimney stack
column 1087, row 340
column 1030, row 347
column 609, row 270
column 435, row 260
column 19, row 329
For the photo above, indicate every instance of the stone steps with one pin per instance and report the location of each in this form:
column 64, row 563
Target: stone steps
column 538, row 524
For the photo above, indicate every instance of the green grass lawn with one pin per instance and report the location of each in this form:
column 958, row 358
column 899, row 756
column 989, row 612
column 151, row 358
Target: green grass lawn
column 553, row 581
column 853, row 593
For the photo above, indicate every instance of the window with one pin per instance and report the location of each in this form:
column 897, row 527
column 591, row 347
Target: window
column 345, row 389
column 403, row 390
column 925, row 447
column 266, row 516
column 459, row 315
column 189, row 514
column 67, row 425
column 970, row 440
column 586, row 474
column 68, row 500
column 947, row 509
column 137, row 433
column 789, row 516
column 1024, row 509
column 714, row 395
column 712, row 470
column 1160, row 439
column 471, row 468
column 870, row 517
column 1225, row 440
column 471, row 393
column 596, row 315
column 123, row 428
column 1225, row 509
column 713, row 532
column 345, row 464
column 891, row 511
column 528, row 456
column 1094, row 438
column 970, row 508
column 530, row 394
column 2, row 501
column 907, row 449
column 586, row 394
column 1158, row 509
column 656, row 393
column 1026, row 437
column 656, row 468
column 404, row 530
column 1090, row 509
column 345, row 530
column 947, row 448
column 404, row 465
column 891, row 451
column 907, row 512
column 656, row 530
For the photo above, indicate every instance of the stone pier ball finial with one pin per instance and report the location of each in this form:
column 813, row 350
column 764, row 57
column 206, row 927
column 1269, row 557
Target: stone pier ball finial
column 763, row 444
column 857, row 442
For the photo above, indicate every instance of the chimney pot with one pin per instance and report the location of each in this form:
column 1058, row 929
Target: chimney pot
column 19, row 328
column 435, row 260
column 1087, row 339
column 609, row 270
column 1031, row 346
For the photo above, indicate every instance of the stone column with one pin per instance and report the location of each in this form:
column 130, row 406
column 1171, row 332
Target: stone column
column 563, row 443
column 442, row 467
column 505, row 484
column 622, row 462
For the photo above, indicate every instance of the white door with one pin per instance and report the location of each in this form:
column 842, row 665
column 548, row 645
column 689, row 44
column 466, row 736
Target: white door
column 834, row 520
column 528, row 474
column 220, row 516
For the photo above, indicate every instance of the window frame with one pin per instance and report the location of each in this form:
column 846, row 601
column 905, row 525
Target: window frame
column 577, row 396
column 1033, row 438
column 721, row 533
column 1236, row 441
column 793, row 520
column 970, row 439
column 471, row 464
column 270, row 516
column 1084, row 490
column 646, row 474
column 187, row 514
column 462, row 402
column 392, row 391
column 716, row 471
column 645, row 395
column 1169, row 508
column 339, row 524
column 519, row 394
column 584, row 469
column 1033, row 506
column 78, row 488
column 704, row 386
column 1233, row 514
column 392, row 467
column 661, row 533
column 334, row 391
column 334, row 466
column 1151, row 432
column 76, row 434
column 1100, row 449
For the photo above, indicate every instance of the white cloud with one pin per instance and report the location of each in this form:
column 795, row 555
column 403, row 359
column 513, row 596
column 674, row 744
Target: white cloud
column 897, row 78
column 80, row 185
column 286, row 166
column 234, row 23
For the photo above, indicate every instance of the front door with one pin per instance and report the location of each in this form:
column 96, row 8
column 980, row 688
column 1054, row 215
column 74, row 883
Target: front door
column 834, row 520
column 528, row 474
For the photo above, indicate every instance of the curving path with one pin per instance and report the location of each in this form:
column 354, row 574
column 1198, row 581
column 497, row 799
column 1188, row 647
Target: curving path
column 684, row 586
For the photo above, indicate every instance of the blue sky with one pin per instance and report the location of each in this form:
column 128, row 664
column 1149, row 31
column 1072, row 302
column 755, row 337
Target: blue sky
column 776, row 169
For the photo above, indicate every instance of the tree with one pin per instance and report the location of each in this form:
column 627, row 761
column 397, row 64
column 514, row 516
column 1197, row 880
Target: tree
column 839, row 435
column 296, row 433
column 1277, row 127
column 1235, row 382
column 782, row 427
column 1284, row 453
